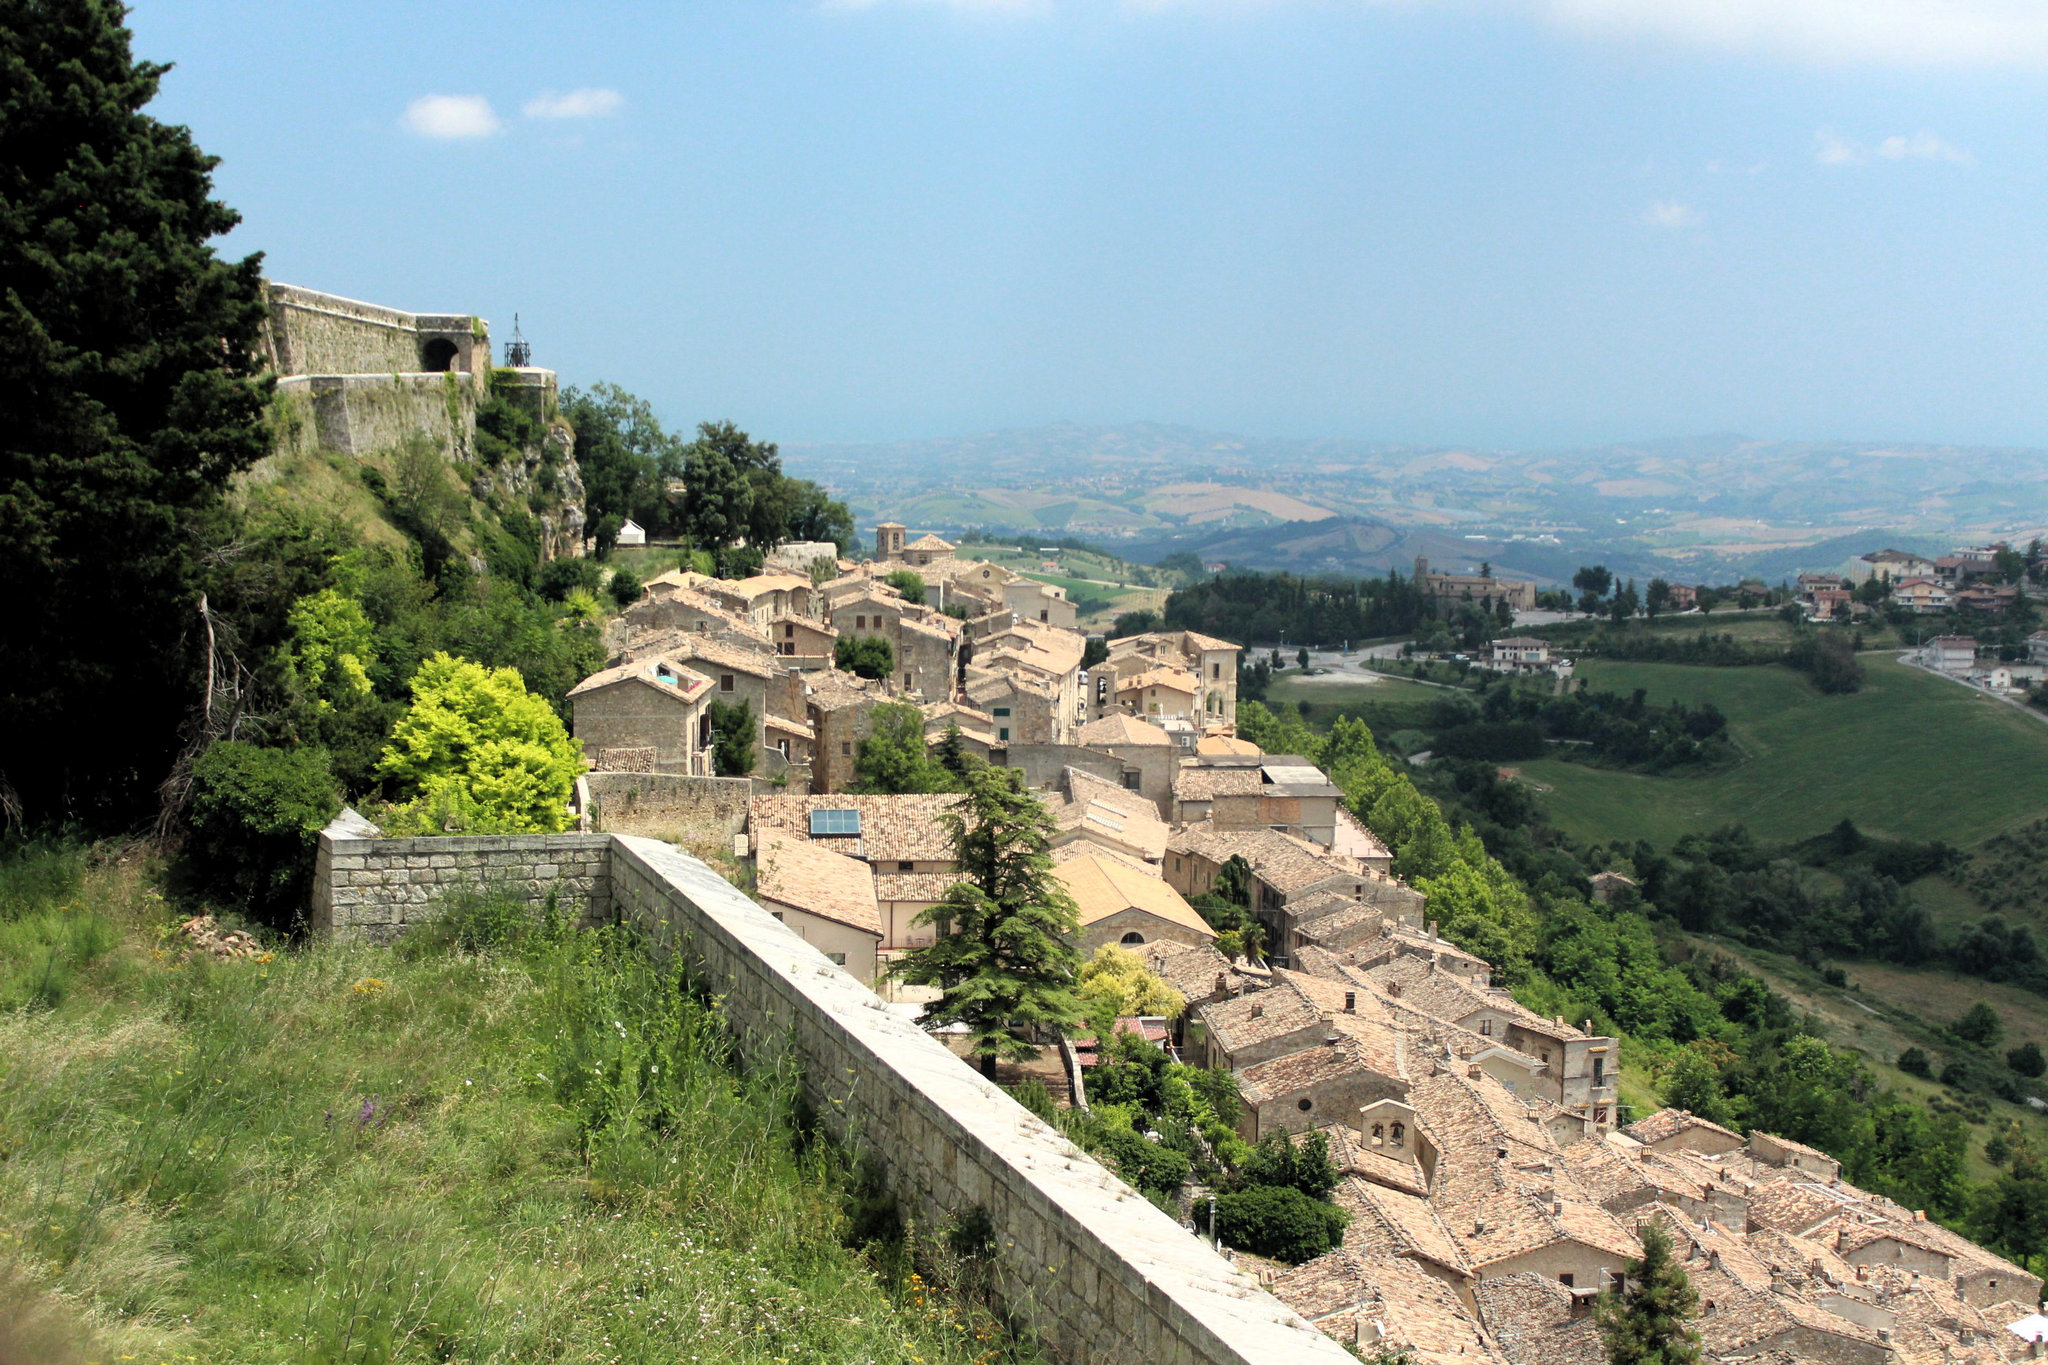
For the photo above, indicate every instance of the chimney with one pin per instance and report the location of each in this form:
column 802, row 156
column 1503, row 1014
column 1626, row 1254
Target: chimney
column 1556, row 1208
column 1472, row 1072
column 1919, row 1215
column 1351, row 1002
column 1581, row 1304
column 1432, row 931
column 1222, row 983
column 1394, row 989
column 1587, row 1028
column 1432, row 964
column 1884, row 1334
column 1714, row 1258
column 1478, row 1227
column 1258, row 1011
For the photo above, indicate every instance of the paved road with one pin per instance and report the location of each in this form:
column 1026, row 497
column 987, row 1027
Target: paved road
column 1909, row 658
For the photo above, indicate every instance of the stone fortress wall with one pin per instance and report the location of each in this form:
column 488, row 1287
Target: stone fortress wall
column 1102, row 1275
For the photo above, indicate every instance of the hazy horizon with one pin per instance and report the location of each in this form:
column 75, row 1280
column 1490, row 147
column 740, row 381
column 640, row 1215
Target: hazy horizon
column 1510, row 224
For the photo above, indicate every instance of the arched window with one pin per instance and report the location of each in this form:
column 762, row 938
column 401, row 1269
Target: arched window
column 438, row 355
column 1379, row 1132
column 1400, row 1134
column 1134, row 937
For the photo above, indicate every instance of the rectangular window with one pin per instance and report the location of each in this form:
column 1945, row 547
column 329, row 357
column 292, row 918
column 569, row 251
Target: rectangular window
column 906, row 682
column 1000, row 711
column 860, row 623
column 1003, row 733
column 1215, row 670
column 905, row 865
column 1486, row 1028
column 1043, row 617
column 845, row 747
column 1599, row 1071
column 838, row 959
column 725, row 683
column 789, row 632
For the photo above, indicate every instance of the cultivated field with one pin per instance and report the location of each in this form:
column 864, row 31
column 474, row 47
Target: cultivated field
column 1908, row 756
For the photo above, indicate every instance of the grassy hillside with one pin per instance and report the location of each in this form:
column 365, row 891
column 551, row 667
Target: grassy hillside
column 480, row 1148
column 1907, row 756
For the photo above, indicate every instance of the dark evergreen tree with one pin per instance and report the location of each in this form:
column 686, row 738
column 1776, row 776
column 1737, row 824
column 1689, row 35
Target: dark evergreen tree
column 1006, row 957
column 1646, row 1322
column 128, row 354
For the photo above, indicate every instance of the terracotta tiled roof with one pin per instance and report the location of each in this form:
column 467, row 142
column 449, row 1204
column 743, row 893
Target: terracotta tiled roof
column 892, row 828
column 1198, row 783
column 831, row 690
column 1102, row 887
column 1666, row 1123
column 1179, row 680
column 1530, row 1315
column 1394, row 1221
column 1192, row 969
column 1404, row 1307
column 1113, row 826
column 716, row 653
column 914, row 886
column 795, row 872
column 1226, row 746
column 1285, row 863
column 1793, row 1205
column 1354, row 840
column 930, row 542
column 687, row 687
column 1118, row 731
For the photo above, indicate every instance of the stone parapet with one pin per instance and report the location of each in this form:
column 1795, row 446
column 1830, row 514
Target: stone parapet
column 1104, row 1277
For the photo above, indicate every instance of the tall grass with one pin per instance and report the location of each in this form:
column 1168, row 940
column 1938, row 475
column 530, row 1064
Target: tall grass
column 496, row 1143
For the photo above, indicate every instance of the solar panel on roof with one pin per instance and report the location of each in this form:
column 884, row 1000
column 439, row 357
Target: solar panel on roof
column 825, row 822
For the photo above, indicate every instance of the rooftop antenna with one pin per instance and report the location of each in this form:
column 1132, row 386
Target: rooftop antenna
column 518, row 354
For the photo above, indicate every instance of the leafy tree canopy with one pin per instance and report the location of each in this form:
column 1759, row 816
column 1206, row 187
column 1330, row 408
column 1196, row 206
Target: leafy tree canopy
column 1114, row 982
column 478, row 749
column 894, row 756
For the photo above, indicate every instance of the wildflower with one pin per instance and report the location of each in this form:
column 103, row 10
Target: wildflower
column 368, row 987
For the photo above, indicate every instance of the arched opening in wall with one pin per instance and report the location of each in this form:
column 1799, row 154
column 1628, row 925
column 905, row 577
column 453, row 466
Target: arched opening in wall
column 1134, row 937
column 438, row 355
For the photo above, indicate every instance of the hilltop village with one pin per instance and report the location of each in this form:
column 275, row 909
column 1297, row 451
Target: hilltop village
column 1494, row 1187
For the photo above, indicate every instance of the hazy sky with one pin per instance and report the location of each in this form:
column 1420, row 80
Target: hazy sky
column 1507, row 222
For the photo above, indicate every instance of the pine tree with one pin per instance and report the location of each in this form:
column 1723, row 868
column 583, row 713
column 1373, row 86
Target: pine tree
column 128, row 357
column 1005, row 954
column 1646, row 1321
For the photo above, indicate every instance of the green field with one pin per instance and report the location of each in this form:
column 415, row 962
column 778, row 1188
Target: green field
column 1909, row 756
column 1386, row 704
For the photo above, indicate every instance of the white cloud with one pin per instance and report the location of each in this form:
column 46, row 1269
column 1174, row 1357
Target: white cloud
column 585, row 103
column 1669, row 213
column 451, row 116
column 1954, row 33
column 1831, row 150
column 1923, row 146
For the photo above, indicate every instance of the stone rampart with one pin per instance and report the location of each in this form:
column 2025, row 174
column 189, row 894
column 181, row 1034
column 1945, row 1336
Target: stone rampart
column 1102, row 1275
column 360, row 414
column 308, row 332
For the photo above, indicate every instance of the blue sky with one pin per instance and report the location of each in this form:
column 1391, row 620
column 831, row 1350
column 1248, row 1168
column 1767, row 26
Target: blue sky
column 1499, row 222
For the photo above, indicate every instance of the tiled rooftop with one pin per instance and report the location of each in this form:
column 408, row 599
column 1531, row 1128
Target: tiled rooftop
column 796, row 872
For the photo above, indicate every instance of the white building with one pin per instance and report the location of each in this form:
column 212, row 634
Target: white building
column 632, row 534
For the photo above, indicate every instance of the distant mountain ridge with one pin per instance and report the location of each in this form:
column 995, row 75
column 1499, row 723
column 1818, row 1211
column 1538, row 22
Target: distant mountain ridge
column 1693, row 508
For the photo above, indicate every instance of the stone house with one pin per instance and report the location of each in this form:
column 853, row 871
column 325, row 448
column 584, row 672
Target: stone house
column 1286, row 875
column 763, row 597
column 1021, row 708
column 922, row 642
column 644, row 716
column 1045, row 653
column 1098, row 813
column 827, row 897
column 1160, row 694
column 1211, row 662
column 838, row 707
column 685, row 610
column 738, row 676
column 1277, row 792
column 805, row 643
column 1121, row 905
column 1581, row 1070
column 1448, row 591
column 895, row 836
column 1679, row 1130
column 977, row 728
column 1046, row 603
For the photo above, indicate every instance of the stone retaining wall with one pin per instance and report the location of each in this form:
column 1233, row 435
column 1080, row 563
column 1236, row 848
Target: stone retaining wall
column 669, row 806
column 366, row 887
column 1102, row 1275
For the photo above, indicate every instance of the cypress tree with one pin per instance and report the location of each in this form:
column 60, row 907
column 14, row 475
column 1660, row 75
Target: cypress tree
column 1647, row 1321
column 132, row 393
